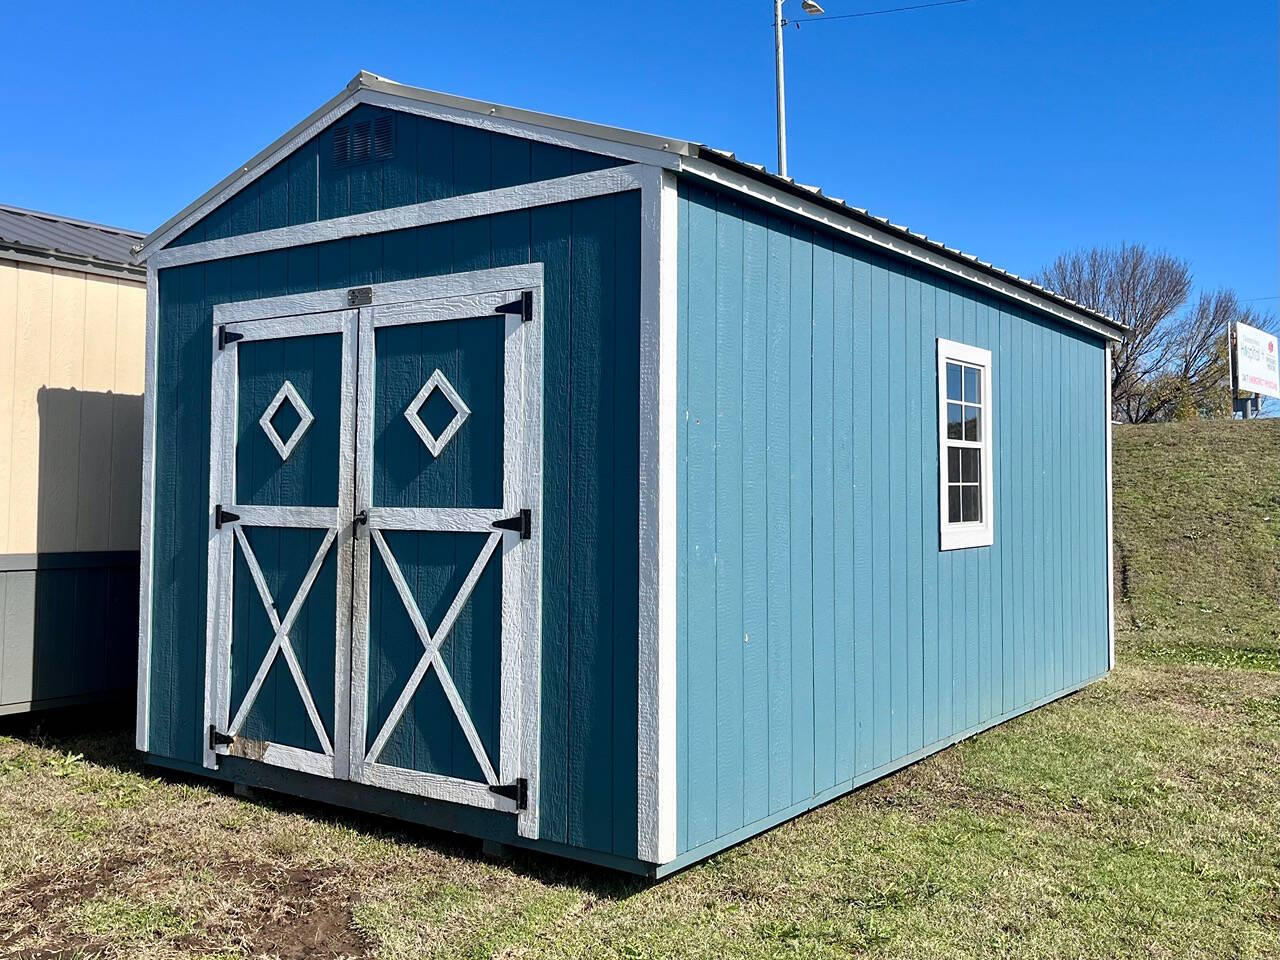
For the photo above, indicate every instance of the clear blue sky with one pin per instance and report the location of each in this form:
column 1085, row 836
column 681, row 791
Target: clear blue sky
column 1010, row 129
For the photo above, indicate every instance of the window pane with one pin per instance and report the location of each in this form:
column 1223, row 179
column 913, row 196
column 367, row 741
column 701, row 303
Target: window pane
column 971, row 423
column 972, row 503
column 953, row 464
column 953, row 381
column 972, row 390
column 953, row 504
column 969, row 465
column 955, row 414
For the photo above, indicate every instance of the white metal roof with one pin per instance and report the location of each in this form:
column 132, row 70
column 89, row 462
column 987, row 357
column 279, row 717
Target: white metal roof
column 615, row 135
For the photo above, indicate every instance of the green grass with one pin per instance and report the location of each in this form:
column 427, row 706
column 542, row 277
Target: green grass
column 1197, row 536
column 1138, row 818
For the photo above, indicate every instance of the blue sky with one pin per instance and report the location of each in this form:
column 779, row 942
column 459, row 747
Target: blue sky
column 1011, row 130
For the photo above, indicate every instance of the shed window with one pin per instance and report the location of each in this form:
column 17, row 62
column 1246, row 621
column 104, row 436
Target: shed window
column 964, row 446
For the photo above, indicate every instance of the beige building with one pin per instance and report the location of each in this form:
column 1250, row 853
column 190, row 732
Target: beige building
column 72, row 313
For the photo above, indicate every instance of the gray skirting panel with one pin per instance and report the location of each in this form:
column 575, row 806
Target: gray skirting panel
column 68, row 628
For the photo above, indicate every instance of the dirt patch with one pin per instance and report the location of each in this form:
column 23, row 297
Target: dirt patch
column 29, row 903
column 296, row 913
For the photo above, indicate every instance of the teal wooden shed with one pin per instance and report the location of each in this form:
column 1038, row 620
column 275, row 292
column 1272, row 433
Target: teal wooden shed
column 596, row 492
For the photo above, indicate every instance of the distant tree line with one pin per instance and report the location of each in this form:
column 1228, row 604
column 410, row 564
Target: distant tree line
column 1173, row 364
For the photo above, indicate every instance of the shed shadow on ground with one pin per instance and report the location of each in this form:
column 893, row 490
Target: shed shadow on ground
column 103, row 735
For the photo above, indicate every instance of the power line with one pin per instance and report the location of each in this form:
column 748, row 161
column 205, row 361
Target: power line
column 876, row 13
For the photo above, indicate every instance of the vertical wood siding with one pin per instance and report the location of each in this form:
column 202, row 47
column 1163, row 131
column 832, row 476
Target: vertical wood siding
column 590, row 250
column 431, row 160
column 822, row 633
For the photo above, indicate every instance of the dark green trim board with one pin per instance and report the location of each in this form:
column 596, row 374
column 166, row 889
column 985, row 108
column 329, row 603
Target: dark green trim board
column 822, row 633
column 68, row 628
column 591, row 301
column 429, row 160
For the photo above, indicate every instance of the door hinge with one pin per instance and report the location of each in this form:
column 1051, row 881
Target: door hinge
column 521, row 523
column 221, row 516
column 226, row 336
column 518, row 791
column 219, row 739
column 523, row 307
column 359, row 296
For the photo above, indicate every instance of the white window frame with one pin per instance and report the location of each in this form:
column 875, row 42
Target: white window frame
column 959, row 536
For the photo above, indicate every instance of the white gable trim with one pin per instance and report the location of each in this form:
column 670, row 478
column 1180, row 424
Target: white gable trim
column 438, row 107
column 577, row 186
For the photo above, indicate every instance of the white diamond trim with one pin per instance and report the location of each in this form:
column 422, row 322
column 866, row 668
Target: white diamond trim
column 437, row 381
column 286, row 392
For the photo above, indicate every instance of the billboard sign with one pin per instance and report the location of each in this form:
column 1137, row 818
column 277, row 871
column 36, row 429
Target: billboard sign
column 1257, row 361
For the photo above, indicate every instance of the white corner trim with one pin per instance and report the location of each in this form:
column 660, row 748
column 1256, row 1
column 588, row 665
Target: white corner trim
column 656, row 714
column 1111, row 570
column 959, row 536
column 142, row 723
column 887, row 241
column 577, row 186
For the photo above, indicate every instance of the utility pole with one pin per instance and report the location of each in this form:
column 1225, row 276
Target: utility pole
column 812, row 8
column 782, row 88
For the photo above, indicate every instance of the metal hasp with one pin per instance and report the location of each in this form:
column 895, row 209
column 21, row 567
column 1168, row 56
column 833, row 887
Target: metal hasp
column 523, row 307
column 521, row 523
column 221, row 516
column 226, row 336
column 359, row 296
column 518, row 791
column 219, row 739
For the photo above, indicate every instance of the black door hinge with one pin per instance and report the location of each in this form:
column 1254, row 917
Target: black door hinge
column 221, row 516
column 523, row 307
column 226, row 336
column 518, row 791
column 218, row 739
column 359, row 296
column 521, row 523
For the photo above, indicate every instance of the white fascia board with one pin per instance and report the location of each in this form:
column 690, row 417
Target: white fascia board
column 523, row 196
column 889, row 241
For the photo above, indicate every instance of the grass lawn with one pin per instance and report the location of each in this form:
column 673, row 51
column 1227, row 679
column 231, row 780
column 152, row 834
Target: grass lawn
column 1140, row 817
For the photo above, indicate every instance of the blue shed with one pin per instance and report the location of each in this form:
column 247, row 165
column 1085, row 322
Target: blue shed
column 595, row 492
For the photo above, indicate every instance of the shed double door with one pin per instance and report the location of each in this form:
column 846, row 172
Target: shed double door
column 374, row 546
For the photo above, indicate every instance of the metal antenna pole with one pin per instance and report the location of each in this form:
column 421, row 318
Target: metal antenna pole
column 782, row 93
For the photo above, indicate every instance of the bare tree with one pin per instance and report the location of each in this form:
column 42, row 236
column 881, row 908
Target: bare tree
column 1143, row 290
column 1173, row 362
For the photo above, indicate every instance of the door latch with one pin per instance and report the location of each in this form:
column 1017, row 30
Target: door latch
column 221, row 516
column 361, row 519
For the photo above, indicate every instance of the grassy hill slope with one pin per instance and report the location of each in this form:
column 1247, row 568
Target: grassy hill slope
column 1197, row 538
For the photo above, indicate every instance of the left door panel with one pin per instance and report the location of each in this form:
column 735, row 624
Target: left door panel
column 280, row 537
